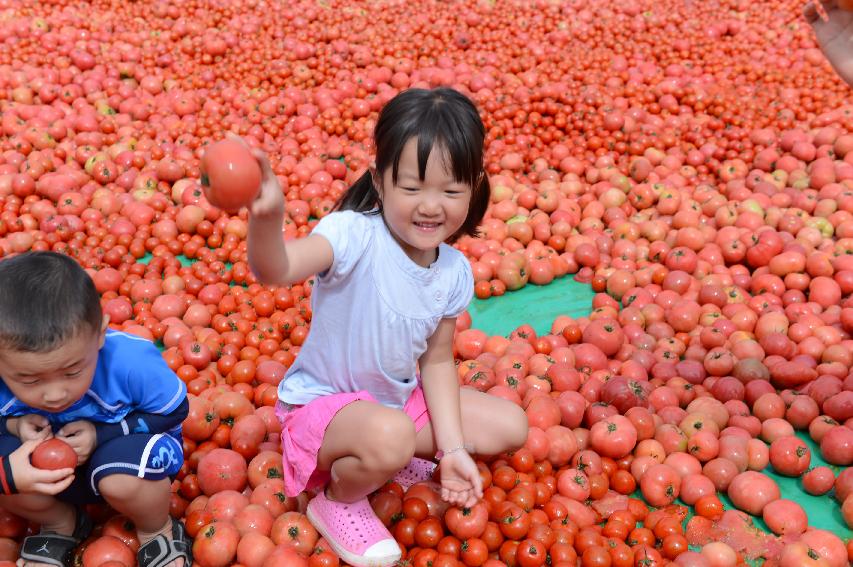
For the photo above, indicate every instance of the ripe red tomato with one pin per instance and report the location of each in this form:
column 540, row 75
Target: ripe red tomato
column 513, row 521
column 474, row 552
column 790, row 456
column 122, row 528
column 216, row 544
column 531, row 553
column 230, row 175
column 613, row 437
column 293, row 530
column 108, row 549
column 429, row 532
column 660, row 485
column 466, row 523
column 54, row 454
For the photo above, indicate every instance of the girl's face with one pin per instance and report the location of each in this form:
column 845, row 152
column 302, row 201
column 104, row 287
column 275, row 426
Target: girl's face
column 423, row 214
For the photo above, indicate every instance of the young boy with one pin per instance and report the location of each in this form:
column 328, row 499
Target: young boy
column 109, row 395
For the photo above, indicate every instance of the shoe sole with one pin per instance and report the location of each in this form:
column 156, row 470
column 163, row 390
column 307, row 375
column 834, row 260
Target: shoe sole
column 346, row 556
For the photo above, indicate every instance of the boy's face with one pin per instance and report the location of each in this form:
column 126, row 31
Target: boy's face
column 55, row 380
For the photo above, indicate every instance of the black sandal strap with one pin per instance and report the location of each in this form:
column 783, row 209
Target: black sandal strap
column 161, row 550
column 55, row 549
column 84, row 525
column 52, row 549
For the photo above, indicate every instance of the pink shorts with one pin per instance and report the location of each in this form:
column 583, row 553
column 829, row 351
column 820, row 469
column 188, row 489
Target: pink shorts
column 304, row 427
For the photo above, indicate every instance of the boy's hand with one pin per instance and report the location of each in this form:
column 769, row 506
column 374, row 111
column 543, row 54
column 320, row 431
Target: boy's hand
column 461, row 484
column 835, row 36
column 82, row 437
column 31, row 479
column 32, row 427
column 269, row 204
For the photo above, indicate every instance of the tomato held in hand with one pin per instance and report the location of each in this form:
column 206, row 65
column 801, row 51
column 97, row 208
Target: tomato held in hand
column 230, row 175
column 54, row 454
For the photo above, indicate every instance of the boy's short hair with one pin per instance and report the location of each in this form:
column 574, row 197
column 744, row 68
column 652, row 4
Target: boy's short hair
column 45, row 299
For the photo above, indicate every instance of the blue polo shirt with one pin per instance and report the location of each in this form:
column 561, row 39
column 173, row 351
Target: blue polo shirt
column 131, row 376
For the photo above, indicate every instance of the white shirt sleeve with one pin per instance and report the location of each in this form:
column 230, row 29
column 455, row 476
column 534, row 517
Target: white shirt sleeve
column 348, row 232
column 462, row 291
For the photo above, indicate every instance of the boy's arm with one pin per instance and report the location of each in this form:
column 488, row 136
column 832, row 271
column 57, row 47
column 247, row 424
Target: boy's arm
column 142, row 422
column 18, row 475
column 26, row 427
column 155, row 396
column 7, row 479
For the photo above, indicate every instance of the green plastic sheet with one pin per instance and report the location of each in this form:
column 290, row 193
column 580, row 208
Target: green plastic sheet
column 181, row 258
column 534, row 305
column 539, row 306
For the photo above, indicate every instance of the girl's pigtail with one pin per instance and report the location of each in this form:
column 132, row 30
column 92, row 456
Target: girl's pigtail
column 361, row 197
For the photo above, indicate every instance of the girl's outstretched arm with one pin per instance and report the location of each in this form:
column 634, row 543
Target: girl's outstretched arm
column 460, row 479
column 272, row 261
column 835, row 35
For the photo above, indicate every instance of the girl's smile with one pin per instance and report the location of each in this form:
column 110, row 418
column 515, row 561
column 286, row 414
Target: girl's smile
column 423, row 213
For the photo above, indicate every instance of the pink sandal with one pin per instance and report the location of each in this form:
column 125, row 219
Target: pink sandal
column 418, row 470
column 354, row 532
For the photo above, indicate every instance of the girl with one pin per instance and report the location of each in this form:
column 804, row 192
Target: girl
column 834, row 35
column 375, row 382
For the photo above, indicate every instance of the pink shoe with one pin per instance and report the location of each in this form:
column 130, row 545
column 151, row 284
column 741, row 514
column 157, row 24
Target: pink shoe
column 418, row 470
column 354, row 532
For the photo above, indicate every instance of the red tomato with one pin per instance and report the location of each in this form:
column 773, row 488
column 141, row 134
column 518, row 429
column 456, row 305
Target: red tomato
column 122, row 528
column 790, row 456
column 295, row 531
column 466, row 523
column 474, row 552
column 613, row 437
column 230, row 175
column 108, row 548
column 54, row 454
column 531, row 553
column 222, row 469
column 660, row 485
column 216, row 544
column 751, row 491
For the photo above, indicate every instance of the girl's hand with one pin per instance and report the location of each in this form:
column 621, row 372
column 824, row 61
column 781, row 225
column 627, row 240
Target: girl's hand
column 835, row 36
column 461, row 484
column 270, row 200
column 30, row 479
column 269, row 204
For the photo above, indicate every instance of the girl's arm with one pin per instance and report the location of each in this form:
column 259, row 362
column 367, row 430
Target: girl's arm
column 835, row 35
column 271, row 260
column 441, row 387
column 460, row 479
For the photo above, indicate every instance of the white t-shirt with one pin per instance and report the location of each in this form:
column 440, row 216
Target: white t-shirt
column 373, row 312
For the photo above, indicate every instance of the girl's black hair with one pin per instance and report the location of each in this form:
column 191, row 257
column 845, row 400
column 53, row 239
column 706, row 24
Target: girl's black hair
column 442, row 116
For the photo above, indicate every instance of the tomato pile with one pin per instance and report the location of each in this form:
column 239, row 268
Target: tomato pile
column 691, row 161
